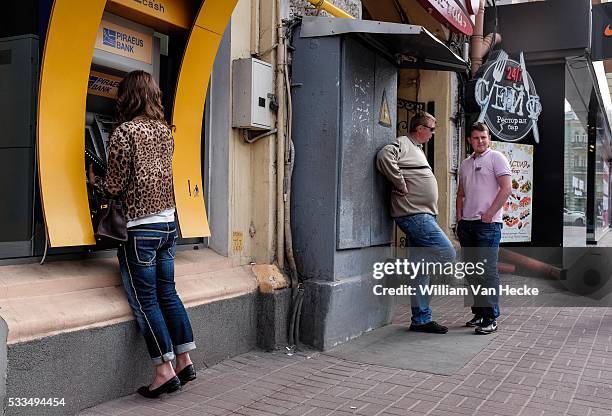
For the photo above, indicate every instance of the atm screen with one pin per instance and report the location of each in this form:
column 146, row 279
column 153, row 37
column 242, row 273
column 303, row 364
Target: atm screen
column 92, row 152
column 97, row 135
column 105, row 128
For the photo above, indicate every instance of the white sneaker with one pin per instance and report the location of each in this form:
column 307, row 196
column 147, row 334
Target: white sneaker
column 486, row 327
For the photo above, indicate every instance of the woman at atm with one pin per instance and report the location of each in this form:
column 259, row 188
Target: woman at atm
column 139, row 173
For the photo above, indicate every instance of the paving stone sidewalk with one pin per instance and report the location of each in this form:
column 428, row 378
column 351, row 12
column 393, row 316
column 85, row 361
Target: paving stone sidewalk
column 542, row 361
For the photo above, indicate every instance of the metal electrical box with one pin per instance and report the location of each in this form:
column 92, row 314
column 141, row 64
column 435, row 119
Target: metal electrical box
column 339, row 203
column 344, row 96
column 252, row 89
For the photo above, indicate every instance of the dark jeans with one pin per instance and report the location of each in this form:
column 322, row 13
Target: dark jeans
column 480, row 243
column 146, row 262
column 427, row 243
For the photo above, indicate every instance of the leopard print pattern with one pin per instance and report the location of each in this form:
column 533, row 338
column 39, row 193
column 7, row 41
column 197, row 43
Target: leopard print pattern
column 139, row 167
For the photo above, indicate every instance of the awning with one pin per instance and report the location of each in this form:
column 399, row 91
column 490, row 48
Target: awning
column 409, row 46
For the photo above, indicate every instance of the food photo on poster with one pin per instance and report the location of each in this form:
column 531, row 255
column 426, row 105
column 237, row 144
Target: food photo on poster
column 517, row 210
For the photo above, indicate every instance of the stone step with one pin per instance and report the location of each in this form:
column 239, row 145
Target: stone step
column 27, row 280
column 39, row 301
column 68, row 330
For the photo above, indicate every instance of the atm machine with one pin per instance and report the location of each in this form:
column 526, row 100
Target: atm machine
column 121, row 46
column 33, row 85
column 113, row 58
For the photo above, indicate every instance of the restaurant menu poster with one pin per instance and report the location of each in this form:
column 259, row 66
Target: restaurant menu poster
column 517, row 211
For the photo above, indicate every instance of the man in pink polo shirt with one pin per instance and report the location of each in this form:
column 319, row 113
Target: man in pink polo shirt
column 485, row 183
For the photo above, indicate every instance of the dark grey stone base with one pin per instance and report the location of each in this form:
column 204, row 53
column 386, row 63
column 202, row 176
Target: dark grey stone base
column 273, row 319
column 334, row 312
column 93, row 366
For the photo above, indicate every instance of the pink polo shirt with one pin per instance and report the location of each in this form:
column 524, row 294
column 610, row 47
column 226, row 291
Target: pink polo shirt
column 478, row 175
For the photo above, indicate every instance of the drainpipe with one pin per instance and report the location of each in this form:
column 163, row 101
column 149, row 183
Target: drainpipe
column 280, row 138
column 330, row 8
column 255, row 28
column 480, row 45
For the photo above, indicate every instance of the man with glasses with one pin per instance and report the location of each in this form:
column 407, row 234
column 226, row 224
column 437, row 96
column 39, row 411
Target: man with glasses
column 485, row 183
column 414, row 206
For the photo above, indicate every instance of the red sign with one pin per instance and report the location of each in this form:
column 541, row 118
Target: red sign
column 449, row 13
column 472, row 6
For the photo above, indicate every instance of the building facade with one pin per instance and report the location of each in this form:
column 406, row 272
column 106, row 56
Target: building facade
column 235, row 267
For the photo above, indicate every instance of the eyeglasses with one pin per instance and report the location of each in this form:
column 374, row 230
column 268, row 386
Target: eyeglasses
column 431, row 129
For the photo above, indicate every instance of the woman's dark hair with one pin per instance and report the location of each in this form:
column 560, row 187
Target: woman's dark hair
column 139, row 95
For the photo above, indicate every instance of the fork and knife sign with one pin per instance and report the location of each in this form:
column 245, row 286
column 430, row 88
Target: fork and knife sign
column 498, row 72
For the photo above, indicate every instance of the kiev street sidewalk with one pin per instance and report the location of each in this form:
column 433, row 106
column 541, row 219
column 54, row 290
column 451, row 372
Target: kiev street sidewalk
column 542, row 361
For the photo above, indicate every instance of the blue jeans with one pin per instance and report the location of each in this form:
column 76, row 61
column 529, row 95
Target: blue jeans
column 480, row 243
column 146, row 262
column 422, row 230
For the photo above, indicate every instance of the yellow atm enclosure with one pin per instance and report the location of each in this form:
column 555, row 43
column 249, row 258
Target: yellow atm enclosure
column 89, row 45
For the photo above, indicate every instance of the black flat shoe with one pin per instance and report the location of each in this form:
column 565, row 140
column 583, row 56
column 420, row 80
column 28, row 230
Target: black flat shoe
column 187, row 374
column 169, row 386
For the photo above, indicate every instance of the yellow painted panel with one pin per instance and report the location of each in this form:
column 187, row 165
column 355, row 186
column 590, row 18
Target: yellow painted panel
column 61, row 120
column 187, row 117
column 192, row 85
column 178, row 13
column 215, row 15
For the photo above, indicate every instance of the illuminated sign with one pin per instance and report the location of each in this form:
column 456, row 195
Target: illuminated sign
column 103, row 85
column 175, row 12
column 508, row 100
column 601, row 32
column 152, row 4
column 449, row 13
column 126, row 42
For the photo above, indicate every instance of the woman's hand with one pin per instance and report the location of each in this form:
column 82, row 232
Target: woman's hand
column 91, row 176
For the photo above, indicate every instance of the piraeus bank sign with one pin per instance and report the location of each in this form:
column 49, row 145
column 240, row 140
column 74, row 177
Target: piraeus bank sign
column 509, row 103
column 103, row 85
column 123, row 41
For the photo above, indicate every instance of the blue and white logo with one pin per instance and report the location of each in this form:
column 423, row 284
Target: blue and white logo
column 92, row 81
column 109, row 37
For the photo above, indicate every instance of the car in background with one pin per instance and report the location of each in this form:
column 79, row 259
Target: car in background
column 573, row 217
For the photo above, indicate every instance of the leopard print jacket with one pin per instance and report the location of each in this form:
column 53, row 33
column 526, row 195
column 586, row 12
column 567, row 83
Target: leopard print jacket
column 139, row 167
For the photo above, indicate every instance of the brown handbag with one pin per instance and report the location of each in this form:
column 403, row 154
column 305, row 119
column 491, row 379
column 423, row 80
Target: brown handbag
column 112, row 223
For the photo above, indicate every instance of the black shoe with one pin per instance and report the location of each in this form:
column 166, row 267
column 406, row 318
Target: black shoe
column 431, row 327
column 474, row 322
column 187, row 374
column 169, row 386
column 488, row 326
